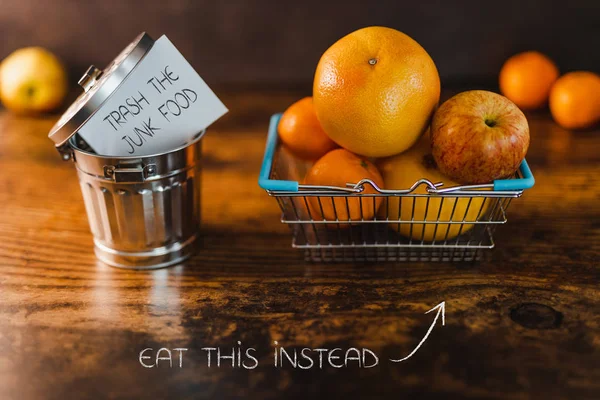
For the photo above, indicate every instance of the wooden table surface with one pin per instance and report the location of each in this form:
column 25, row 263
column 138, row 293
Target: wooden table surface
column 523, row 324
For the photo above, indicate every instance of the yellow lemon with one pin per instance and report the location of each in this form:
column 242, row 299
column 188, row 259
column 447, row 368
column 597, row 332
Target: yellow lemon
column 32, row 80
column 401, row 172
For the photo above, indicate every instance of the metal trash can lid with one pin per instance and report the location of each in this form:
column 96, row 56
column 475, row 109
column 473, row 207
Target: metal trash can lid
column 98, row 86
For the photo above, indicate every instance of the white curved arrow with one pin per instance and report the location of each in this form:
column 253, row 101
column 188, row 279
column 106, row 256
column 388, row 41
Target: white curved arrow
column 441, row 310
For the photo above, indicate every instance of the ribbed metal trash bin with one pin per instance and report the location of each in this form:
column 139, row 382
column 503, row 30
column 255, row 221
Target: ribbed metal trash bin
column 143, row 211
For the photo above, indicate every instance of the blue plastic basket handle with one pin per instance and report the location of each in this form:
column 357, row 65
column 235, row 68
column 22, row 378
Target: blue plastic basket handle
column 263, row 179
column 527, row 181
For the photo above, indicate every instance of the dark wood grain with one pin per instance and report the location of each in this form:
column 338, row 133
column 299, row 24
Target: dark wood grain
column 522, row 324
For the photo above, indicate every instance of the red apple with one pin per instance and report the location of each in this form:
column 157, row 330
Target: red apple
column 479, row 136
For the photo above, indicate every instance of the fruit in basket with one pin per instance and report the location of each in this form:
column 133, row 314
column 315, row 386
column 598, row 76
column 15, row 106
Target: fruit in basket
column 526, row 79
column 575, row 100
column 375, row 91
column 300, row 131
column 32, row 80
column 479, row 136
column 337, row 168
column 401, row 172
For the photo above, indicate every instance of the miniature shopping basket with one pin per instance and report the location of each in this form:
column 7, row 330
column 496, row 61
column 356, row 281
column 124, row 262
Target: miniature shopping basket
column 426, row 222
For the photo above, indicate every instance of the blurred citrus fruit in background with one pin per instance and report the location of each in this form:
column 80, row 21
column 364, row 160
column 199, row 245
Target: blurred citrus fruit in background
column 526, row 79
column 300, row 130
column 401, row 172
column 337, row 168
column 575, row 100
column 32, row 80
column 375, row 91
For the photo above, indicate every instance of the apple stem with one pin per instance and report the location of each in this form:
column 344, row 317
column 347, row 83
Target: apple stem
column 490, row 122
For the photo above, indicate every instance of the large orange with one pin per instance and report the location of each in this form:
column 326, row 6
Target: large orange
column 337, row 168
column 300, row 130
column 575, row 100
column 526, row 79
column 375, row 91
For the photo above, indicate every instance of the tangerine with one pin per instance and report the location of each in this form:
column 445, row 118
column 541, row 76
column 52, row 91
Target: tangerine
column 337, row 168
column 526, row 79
column 300, row 130
column 575, row 100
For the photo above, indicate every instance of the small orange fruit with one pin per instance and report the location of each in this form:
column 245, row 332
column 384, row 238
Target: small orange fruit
column 375, row 91
column 575, row 100
column 526, row 79
column 300, row 130
column 337, row 168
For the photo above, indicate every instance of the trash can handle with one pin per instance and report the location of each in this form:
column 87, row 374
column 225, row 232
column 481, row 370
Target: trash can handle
column 129, row 173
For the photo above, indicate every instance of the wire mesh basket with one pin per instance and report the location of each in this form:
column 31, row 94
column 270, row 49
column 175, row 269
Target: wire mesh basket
column 426, row 222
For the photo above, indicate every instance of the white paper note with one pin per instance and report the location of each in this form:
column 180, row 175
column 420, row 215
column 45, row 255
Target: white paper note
column 161, row 105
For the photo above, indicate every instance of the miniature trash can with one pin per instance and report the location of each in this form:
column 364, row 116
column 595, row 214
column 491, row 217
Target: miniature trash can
column 143, row 211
